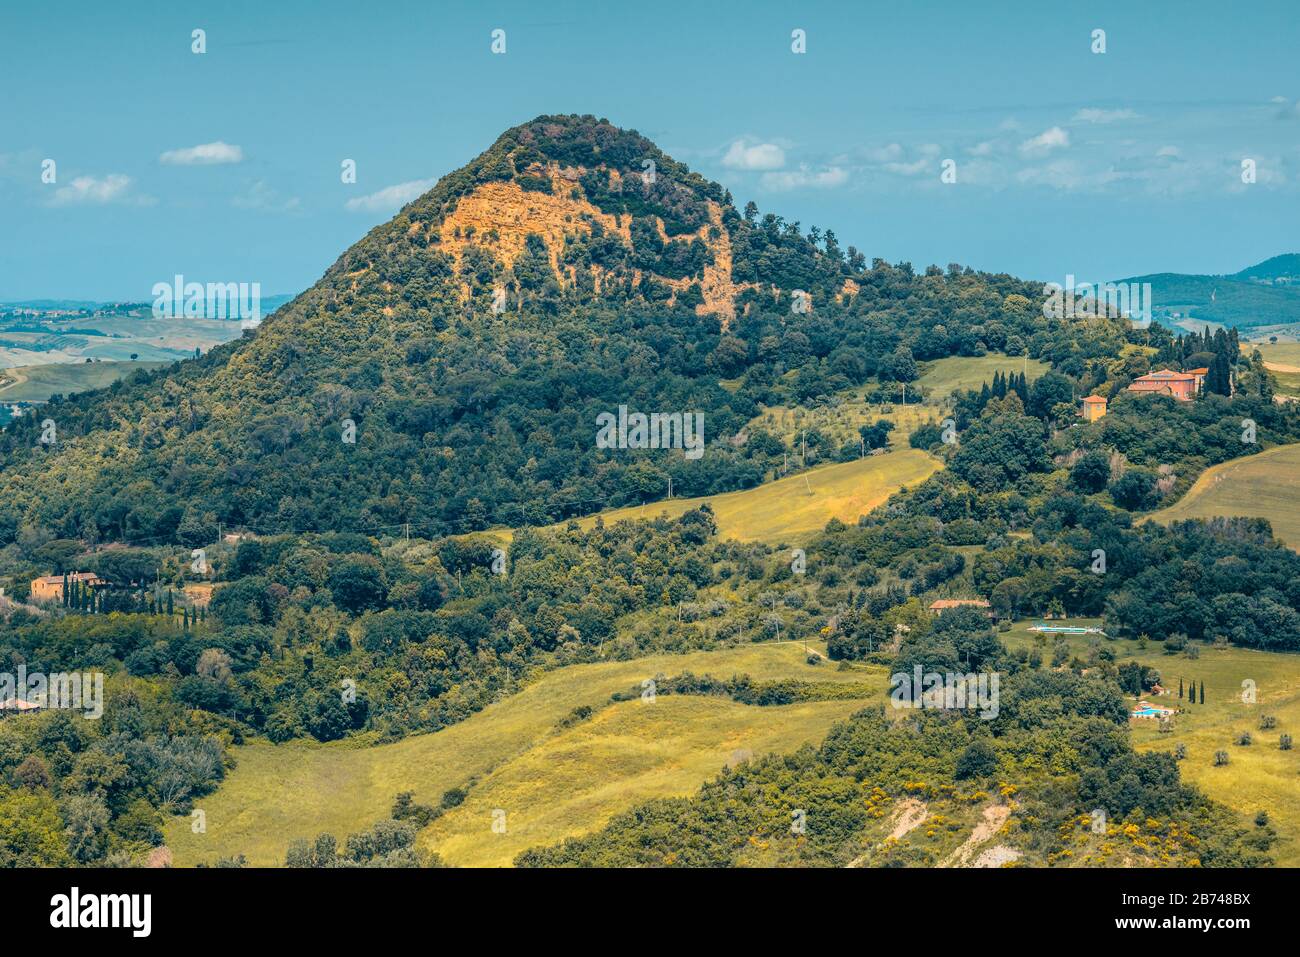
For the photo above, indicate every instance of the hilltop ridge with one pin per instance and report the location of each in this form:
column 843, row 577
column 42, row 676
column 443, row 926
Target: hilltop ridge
column 446, row 371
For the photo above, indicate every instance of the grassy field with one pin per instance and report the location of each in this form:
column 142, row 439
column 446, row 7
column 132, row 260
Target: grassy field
column 38, row 383
column 1283, row 360
column 840, row 418
column 628, row 753
column 1282, row 353
column 111, row 338
column 798, row 506
column 1266, row 485
column 788, row 510
column 1259, row 776
column 551, row 782
column 946, row 376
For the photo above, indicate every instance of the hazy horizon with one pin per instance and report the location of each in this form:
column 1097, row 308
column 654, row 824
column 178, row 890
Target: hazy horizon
column 1103, row 165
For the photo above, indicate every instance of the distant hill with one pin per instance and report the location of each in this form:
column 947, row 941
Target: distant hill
column 45, row 305
column 448, row 371
column 1266, row 294
column 1286, row 267
column 269, row 305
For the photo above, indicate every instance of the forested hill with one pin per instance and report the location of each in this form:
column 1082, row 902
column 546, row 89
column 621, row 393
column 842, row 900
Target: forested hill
column 474, row 338
column 1265, row 294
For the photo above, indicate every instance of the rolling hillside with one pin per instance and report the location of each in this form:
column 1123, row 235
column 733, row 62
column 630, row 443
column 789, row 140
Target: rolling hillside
column 1283, row 360
column 470, row 344
column 552, row 782
column 798, row 506
column 37, row 383
column 1266, row 485
column 793, row 508
column 1255, row 296
column 1259, row 777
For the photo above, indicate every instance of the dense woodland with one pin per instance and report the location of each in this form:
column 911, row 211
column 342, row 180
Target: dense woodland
column 466, row 418
column 353, row 569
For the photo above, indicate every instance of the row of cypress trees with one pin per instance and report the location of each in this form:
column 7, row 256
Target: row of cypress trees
column 86, row 600
column 1191, row 692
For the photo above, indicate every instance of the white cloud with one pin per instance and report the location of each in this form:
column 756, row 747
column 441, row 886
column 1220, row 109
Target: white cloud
column 805, row 178
column 981, row 149
column 1045, row 142
column 205, row 154
column 1067, row 174
column 914, row 168
column 88, row 190
column 1092, row 114
column 263, row 197
column 926, row 162
column 885, row 154
column 747, row 155
column 390, row 198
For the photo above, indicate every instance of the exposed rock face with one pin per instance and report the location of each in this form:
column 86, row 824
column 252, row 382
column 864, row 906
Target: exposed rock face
column 499, row 216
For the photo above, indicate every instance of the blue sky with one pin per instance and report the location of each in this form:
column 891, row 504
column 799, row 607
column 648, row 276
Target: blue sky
column 225, row 166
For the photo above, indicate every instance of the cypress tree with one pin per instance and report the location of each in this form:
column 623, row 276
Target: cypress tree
column 65, row 590
column 1219, row 378
column 1180, row 689
column 1202, row 691
column 171, row 608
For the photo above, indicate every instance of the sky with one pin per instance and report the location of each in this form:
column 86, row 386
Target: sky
column 225, row 166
